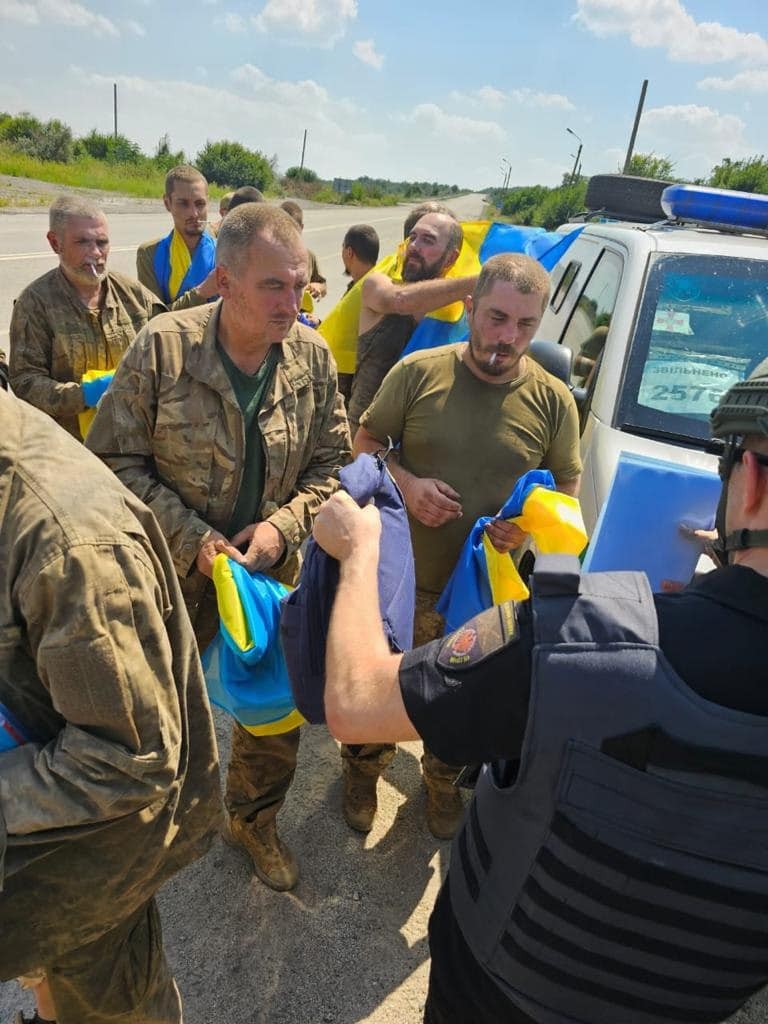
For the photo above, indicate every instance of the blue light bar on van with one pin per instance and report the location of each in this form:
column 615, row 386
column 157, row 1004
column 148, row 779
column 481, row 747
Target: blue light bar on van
column 715, row 206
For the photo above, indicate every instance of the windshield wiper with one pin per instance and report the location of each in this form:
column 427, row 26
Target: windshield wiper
column 656, row 434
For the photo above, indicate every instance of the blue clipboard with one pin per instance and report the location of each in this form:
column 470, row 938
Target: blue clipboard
column 639, row 524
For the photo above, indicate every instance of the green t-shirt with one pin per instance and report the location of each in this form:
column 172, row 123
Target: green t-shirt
column 249, row 390
column 476, row 436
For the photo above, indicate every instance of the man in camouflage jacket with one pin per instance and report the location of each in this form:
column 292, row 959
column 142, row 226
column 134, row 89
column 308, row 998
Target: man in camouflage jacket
column 226, row 420
column 75, row 318
column 108, row 766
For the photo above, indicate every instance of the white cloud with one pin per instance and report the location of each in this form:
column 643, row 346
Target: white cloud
column 492, row 98
column 57, row 12
column 428, row 117
column 666, row 24
column 694, row 137
column 365, row 51
column 13, row 10
column 135, row 28
column 745, row 81
column 233, row 22
column 322, row 22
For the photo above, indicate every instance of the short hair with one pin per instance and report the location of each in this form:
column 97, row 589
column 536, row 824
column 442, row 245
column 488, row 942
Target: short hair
column 64, row 207
column 253, row 220
column 363, row 240
column 294, row 211
column 525, row 273
column 421, row 210
column 224, row 202
column 183, row 173
column 245, row 194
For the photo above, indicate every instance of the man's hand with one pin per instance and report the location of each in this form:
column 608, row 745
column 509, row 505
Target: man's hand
column 208, row 288
column 432, row 502
column 265, row 546
column 317, row 289
column 213, row 545
column 505, row 536
column 342, row 527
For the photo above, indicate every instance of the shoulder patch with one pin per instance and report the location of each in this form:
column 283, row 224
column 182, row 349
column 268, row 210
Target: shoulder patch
column 480, row 638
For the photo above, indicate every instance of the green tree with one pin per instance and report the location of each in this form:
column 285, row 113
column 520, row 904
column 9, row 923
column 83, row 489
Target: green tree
column 164, row 156
column 110, row 148
column 743, row 175
column 51, row 140
column 301, row 174
column 649, row 165
column 230, row 164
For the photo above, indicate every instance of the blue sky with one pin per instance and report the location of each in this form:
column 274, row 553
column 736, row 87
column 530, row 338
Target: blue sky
column 450, row 92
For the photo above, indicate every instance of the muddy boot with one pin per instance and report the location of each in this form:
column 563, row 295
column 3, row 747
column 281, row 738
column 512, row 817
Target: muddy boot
column 273, row 862
column 359, row 805
column 445, row 808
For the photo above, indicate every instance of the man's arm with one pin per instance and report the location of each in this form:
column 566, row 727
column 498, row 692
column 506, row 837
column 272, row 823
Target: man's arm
column 31, row 341
column 107, row 665
column 431, row 501
column 381, row 295
column 363, row 703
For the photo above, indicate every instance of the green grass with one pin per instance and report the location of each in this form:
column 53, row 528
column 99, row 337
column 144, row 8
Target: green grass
column 143, row 182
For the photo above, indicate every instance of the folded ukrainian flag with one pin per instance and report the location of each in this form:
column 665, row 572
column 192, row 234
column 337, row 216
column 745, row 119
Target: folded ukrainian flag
column 244, row 665
column 483, row 576
column 482, row 239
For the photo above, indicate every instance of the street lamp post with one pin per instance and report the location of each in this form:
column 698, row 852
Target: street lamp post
column 576, row 167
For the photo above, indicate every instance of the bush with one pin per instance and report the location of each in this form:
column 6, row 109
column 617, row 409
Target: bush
column 26, row 134
column 301, row 174
column 109, row 148
column 230, row 164
column 743, row 175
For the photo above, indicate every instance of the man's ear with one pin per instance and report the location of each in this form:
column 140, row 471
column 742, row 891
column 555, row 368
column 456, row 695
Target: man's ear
column 223, row 282
column 755, row 482
column 53, row 242
column 468, row 305
column 450, row 261
column 167, row 203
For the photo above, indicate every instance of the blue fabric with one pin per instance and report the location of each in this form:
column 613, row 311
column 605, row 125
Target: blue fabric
column 251, row 685
column 545, row 246
column 94, row 389
column 468, row 592
column 307, row 609
column 203, row 262
column 12, row 733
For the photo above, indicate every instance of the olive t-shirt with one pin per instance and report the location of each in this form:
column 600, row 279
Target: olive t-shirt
column 476, row 436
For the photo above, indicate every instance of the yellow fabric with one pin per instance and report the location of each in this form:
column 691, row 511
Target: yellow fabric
column 307, row 302
column 181, row 260
column 555, row 523
column 230, row 606
column 291, row 721
column 85, row 418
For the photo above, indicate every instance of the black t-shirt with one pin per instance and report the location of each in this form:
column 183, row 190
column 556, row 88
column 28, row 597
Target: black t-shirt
column 467, row 695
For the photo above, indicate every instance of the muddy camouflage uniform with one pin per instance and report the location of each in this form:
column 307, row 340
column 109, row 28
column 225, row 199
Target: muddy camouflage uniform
column 171, row 428
column 119, row 788
column 55, row 339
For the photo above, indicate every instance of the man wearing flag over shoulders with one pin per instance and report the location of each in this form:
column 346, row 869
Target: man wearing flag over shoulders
column 180, row 268
column 470, row 420
column 390, row 309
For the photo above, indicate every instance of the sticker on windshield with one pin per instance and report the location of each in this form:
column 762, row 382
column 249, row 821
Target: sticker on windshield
column 673, row 321
column 684, row 387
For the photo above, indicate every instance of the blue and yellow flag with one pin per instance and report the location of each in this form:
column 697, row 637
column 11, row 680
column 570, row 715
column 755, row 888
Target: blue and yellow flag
column 482, row 239
column 484, row 576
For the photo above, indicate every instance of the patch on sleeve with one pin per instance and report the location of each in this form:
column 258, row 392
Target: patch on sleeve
column 480, row 638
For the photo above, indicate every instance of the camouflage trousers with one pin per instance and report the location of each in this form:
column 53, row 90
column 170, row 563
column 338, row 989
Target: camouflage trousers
column 121, row 977
column 373, row 758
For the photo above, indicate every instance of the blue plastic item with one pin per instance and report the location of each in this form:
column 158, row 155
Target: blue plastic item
column 715, row 206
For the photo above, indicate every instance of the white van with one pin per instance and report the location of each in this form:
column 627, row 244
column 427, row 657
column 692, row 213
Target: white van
column 659, row 320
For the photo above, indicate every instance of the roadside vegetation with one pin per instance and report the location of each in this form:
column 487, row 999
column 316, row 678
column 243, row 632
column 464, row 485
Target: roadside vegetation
column 48, row 151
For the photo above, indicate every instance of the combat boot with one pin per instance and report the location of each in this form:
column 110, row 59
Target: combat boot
column 445, row 808
column 273, row 862
column 359, row 804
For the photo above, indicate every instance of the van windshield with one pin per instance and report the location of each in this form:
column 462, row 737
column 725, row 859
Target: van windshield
column 702, row 326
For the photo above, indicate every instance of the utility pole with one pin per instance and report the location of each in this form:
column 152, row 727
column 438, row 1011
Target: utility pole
column 303, row 150
column 635, row 126
column 114, row 104
column 576, row 161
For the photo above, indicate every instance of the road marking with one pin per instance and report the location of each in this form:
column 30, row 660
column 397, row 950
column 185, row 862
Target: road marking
column 39, row 255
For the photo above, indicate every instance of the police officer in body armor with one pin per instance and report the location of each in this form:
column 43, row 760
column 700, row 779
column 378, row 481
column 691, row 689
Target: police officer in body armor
column 613, row 866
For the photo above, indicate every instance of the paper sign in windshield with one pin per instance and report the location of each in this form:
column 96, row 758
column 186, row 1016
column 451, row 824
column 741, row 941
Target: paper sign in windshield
column 684, row 387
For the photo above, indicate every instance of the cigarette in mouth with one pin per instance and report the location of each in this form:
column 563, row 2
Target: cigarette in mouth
column 94, row 271
column 492, row 360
